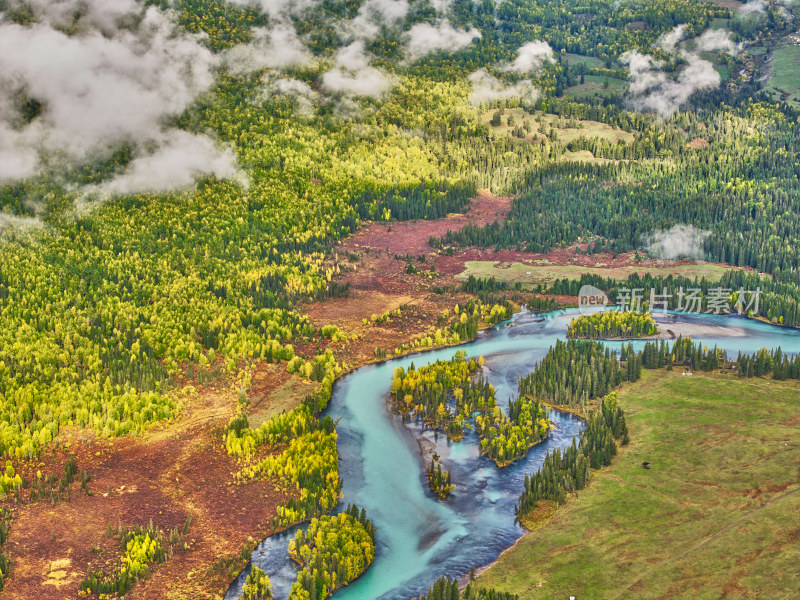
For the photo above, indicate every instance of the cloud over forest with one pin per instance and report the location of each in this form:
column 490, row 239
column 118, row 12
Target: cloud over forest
column 117, row 77
column 653, row 89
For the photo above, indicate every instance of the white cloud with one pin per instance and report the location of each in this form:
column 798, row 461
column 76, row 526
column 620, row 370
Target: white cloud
column 345, row 108
column 670, row 40
column 17, row 159
column 366, row 82
column 717, row 40
column 441, row 5
column 115, row 80
column 353, row 57
column 180, row 157
column 300, row 91
column 424, row 38
column 278, row 48
column 374, row 14
column 290, row 87
column 386, row 11
column 487, row 88
column 678, row 242
column 105, row 16
column 531, row 57
column 13, row 222
column 278, row 9
column 753, row 7
column 353, row 75
column 651, row 90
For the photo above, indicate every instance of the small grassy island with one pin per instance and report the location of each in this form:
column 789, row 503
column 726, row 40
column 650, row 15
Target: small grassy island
column 439, row 480
column 613, row 324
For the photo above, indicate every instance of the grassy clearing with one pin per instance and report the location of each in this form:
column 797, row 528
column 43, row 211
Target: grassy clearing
column 597, row 85
column 526, row 274
column 720, row 23
column 584, row 156
column 785, row 76
column 566, row 130
column 270, row 399
column 716, row 515
column 591, row 62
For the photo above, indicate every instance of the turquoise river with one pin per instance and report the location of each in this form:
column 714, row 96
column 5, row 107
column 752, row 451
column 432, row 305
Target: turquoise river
column 420, row 538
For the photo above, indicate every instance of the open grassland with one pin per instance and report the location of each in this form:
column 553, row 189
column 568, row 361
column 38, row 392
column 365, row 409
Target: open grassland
column 717, row 514
column 597, row 85
column 566, row 130
column 590, row 62
column 527, row 274
column 785, row 76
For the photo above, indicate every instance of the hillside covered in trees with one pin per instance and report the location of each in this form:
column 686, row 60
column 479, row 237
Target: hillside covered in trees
column 181, row 182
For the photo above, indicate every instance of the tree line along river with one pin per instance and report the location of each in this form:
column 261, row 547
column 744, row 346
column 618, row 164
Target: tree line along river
column 420, row 538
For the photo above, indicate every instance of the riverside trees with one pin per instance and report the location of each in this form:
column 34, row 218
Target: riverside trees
column 447, row 396
column 257, row 585
column 310, row 462
column 613, row 324
column 568, row 471
column 576, row 371
column 332, row 552
column 446, row 589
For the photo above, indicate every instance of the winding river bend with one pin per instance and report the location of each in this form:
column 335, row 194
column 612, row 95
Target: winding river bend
column 419, row 538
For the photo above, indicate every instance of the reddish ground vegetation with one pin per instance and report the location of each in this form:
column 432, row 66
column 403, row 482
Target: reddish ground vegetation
column 411, row 237
column 163, row 477
column 698, row 143
column 557, row 257
column 182, row 469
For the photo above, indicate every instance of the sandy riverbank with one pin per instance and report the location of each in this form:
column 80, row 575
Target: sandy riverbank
column 669, row 328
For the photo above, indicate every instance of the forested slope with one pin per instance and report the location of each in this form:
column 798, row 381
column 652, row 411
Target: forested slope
column 176, row 175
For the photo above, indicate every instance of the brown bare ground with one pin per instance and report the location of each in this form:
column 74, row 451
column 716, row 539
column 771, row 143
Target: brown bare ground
column 698, row 143
column 182, row 469
column 379, row 282
column 163, row 477
column 411, row 237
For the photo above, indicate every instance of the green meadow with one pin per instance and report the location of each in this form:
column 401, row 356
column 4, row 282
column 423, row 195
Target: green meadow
column 716, row 515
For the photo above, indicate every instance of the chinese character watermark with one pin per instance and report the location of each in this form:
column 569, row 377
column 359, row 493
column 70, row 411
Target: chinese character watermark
column 717, row 301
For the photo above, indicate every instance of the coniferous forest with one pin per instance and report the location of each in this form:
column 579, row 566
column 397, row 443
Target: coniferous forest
column 212, row 210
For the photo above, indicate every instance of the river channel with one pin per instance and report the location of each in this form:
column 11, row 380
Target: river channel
column 420, row 538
